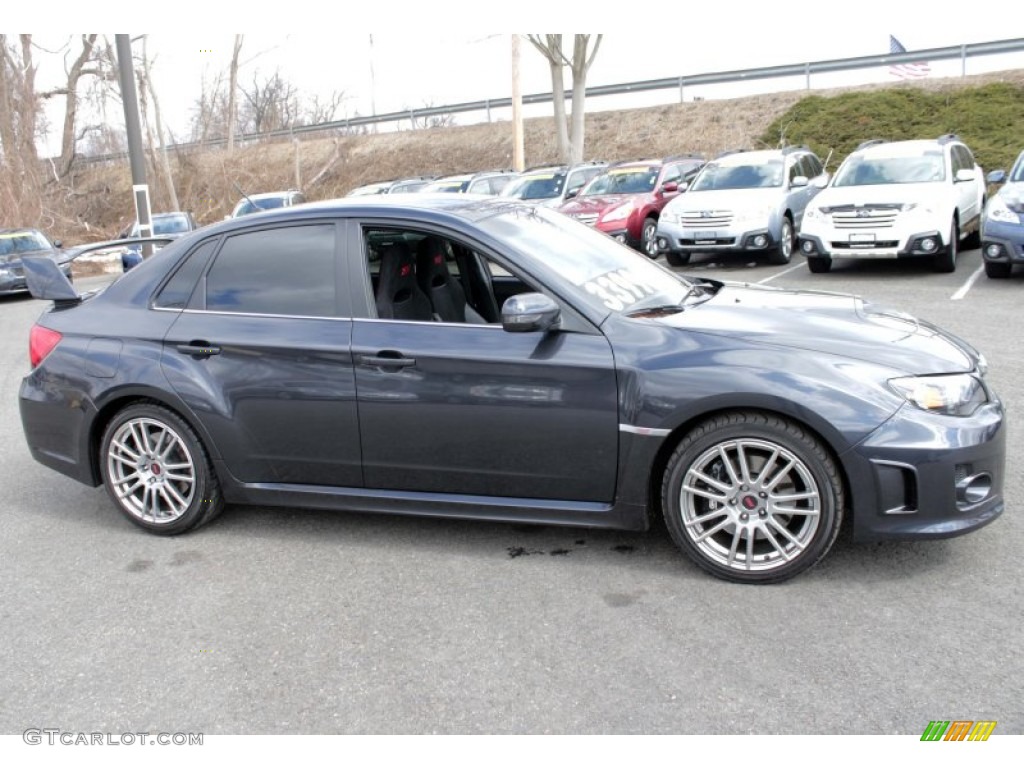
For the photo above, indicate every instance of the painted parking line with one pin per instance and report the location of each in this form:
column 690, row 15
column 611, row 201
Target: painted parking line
column 780, row 274
column 962, row 291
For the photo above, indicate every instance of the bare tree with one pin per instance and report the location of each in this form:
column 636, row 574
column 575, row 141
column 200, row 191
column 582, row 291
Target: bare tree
column 443, row 120
column 584, row 51
column 87, row 62
column 318, row 111
column 232, row 117
column 160, row 160
column 550, row 47
column 269, row 105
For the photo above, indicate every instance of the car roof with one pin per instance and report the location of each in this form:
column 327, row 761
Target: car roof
column 19, row 230
column 900, row 148
column 751, row 158
column 265, row 195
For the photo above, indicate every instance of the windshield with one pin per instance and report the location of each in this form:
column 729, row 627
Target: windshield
column 1017, row 172
column 537, row 187
column 166, row 225
column 446, row 186
column 605, row 274
column 859, row 170
column 22, row 242
column 747, row 176
column 624, row 181
column 263, row 204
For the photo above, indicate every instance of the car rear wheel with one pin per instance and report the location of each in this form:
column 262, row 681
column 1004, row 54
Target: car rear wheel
column 157, row 472
column 677, row 258
column 945, row 261
column 998, row 270
column 649, row 238
column 783, row 252
column 819, row 264
column 752, row 498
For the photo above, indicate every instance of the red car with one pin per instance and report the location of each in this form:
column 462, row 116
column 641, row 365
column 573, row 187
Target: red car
column 626, row 200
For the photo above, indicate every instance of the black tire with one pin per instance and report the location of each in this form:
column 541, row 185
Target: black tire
column 945, row 260
column 677, row 258
column 998, row 270
column 167, row 482
column 973, row 240
column 742, row 505
column 819, row 264
column 649, row 238
column 783, row 252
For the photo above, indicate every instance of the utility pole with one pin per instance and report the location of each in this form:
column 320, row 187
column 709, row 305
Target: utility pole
column 130, row 101
column 518, row 148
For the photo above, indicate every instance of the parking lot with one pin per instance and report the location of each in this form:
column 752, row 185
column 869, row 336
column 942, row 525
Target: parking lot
column 272, row 621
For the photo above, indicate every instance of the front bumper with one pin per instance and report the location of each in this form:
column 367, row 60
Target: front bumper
column 927, row 476
column 887, row 245
column 1007, row 239
column 675, row 237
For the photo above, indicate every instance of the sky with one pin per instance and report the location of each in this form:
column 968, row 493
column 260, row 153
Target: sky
column 441, row 52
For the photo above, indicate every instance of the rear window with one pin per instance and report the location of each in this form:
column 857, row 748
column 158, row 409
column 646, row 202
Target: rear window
column 285, row 271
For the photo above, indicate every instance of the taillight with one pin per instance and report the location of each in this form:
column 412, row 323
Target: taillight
column 41, row 342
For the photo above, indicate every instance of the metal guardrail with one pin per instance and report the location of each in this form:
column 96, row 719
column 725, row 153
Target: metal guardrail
column 807, row 69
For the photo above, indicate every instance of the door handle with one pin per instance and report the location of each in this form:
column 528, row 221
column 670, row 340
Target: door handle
column 198, row 349
column 383, row 360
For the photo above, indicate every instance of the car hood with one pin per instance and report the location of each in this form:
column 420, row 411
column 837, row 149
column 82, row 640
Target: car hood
column 598, row 203
column 830, row 323
column 1013, row 195
column 726, row 199
column 869, row 194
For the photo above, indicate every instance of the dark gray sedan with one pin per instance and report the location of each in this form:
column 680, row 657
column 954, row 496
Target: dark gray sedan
column 485, row 359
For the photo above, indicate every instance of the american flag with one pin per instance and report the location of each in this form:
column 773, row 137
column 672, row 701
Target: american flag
column 910, row 69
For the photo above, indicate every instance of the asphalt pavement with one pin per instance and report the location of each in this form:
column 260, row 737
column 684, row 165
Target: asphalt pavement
column 274, row 621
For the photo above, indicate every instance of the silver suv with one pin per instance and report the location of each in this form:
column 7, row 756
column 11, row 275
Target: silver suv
column 552, row 185
column 743, row 201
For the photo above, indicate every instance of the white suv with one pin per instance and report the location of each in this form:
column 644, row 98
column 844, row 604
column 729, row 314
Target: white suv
column 896, row 199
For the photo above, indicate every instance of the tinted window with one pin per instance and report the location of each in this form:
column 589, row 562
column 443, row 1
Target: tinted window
column 814, row 166
column 177, row 291
column 288, row 271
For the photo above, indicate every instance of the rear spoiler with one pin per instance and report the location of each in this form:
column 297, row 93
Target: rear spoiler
column 45, row 280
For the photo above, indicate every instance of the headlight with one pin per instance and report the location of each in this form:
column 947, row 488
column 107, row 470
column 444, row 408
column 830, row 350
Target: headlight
column 619, row 213
column 956, row 395
column 997, row 211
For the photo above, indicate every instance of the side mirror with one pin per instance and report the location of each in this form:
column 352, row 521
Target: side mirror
column 58, row 243
column 798, row 181
column 820, row 182
column 964, row 174
column 996, row 177
column 670, row 186
column 571, row 193
column 529, row 312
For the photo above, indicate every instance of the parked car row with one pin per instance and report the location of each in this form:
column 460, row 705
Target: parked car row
column 921, row 199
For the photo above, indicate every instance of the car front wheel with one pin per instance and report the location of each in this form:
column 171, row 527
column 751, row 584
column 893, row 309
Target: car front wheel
column 157, row 472
column 945, row 261
column 753, row 498
column 677, row 258
column 649, row 238
column 783, row 253
column 819, row 264
column 998, row 270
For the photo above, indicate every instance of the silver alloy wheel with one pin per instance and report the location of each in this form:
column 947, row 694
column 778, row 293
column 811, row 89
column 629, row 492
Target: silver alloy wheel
column 151, row 470
column 649, row 236
column 786, row 240
column 750, row 505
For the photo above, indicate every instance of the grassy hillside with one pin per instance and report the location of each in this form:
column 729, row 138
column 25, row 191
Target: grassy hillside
column 986, row 110
column 989, row 118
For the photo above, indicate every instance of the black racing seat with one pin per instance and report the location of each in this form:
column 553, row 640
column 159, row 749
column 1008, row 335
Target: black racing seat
column 398, row 295
column 444, row 291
